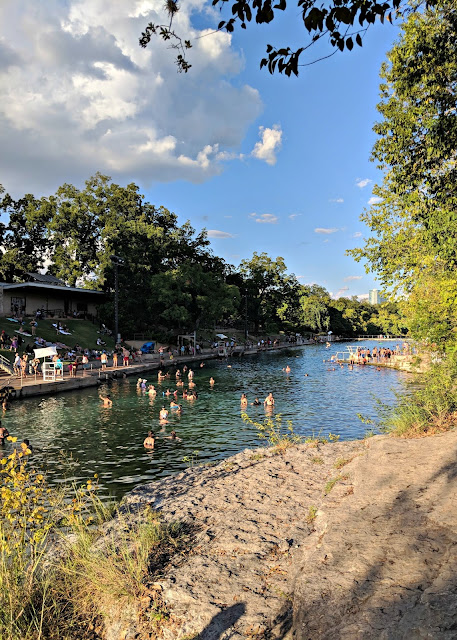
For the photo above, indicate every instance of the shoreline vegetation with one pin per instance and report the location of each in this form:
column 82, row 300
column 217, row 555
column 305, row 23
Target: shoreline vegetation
column 73, row 567
column 249, row 546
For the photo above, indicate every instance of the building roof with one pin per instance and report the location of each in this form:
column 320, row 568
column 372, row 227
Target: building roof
column 54, row 287
column 45, row 278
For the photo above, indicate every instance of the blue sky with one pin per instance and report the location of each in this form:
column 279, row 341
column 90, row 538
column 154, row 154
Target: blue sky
column 265, row 163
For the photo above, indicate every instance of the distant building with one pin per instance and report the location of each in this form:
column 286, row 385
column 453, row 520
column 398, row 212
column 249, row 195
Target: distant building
column 374, row 297
column 49, row 294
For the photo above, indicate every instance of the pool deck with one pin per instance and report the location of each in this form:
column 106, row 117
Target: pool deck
column 36, row 386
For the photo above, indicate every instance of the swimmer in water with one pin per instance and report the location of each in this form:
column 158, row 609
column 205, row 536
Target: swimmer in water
column 174, row 405
column 179, row 409
column 190, row 375
column 107, row 402
column 269, row 401
column 163, row 415
column 180, row 383
column 184, row 394
column 202, row 364
column 149, row 441
column 212, row 381
column 168, row 392
column 306, row 375
column 177, row 374
column 151, row 390
column 244, row 400
column 175, row 394
column 173, row 436
column 4, row 433
column 256, row 403
column 191, row 384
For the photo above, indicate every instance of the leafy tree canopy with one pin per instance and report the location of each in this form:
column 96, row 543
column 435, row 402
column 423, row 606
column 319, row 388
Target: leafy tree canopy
column 342, row 22
column 413, row 245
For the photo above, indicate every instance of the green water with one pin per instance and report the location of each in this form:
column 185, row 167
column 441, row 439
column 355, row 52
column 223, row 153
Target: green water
column 93, row 439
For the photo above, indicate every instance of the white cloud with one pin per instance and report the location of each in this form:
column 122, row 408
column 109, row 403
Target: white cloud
column 341, row 292
column 294, row 215
column 215, row 233
column 363, row 182
column 77, row 95
column 324, row 230
column 228, row 216
column 374, row 200
column 357, row 234
column 350, row 278
column 264, row 218
column 339, row 200
column 271, row 143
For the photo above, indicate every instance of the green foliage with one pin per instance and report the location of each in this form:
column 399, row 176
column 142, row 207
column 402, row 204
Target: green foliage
column 312, row 514
column 331, row 483
column 430, row 409
column 413, row 243
column 192, row 459
column 343, row 23
column 61, row 567
column 273, row 430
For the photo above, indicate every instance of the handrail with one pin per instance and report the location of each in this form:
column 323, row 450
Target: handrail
column 5, row 364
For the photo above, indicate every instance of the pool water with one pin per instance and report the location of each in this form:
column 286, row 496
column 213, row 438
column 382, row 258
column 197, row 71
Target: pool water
column 74, row 436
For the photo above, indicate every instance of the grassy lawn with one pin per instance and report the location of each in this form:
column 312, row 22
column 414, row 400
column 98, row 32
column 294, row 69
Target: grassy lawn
column 83, row 333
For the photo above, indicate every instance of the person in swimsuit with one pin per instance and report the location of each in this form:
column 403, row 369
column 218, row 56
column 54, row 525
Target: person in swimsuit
column 174, row 405
column 173, row 436
column 269, row 401
column 256, row 403
column 244, row 400
column 212, row 381
column 163, row 415
column 149, row 441
column 107, row 402
column 4, row 433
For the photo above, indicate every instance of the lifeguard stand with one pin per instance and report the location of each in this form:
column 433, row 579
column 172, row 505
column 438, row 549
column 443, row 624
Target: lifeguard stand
column 49, row 371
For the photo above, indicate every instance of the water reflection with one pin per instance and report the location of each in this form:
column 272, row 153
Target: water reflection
column 108, row 441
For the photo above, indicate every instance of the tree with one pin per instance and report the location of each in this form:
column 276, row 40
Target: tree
column 342, row 22
column 193, row 292
column 314, row 303
column 24, row 239
column 267, row 284
column 413, row 241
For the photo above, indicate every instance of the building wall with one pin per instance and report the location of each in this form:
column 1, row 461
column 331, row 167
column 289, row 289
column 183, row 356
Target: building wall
column 49, row 300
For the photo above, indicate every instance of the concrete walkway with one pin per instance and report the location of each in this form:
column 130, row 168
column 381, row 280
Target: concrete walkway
column 35, row 385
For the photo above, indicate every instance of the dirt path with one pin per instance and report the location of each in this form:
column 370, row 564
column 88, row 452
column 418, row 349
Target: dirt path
column 377, row 561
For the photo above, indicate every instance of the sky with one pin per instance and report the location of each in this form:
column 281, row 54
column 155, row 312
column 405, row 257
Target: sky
column 264, row 163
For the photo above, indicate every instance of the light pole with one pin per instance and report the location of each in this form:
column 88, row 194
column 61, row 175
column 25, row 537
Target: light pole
column 116, row 260
column 245, row 314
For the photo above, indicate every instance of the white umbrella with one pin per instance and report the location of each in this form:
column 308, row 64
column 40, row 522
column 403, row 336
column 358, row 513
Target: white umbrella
column 45, row 351
column 221, row 335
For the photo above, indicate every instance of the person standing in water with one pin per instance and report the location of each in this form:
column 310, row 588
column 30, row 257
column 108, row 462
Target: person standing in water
column 244, row 401
column 107, row 402
column 149, row 441
column 269, row 401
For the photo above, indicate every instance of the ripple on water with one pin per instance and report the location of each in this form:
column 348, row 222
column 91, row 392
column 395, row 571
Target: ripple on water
column 110, row 441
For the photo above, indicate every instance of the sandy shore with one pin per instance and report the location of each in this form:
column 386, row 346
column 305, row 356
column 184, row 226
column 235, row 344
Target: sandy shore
column 340, row 541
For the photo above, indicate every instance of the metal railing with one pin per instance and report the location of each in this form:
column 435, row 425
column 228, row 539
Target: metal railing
column 6, row 365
